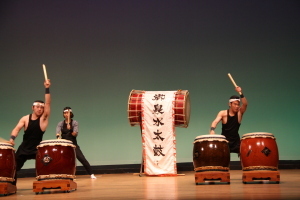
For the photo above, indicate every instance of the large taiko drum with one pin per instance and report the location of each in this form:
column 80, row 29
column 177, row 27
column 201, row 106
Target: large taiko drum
column 7, row 162
column 55, row 159
column 211, row 153
column 259, row 152
column 181, row 108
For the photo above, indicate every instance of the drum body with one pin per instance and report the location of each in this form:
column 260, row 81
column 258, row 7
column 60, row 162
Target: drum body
column 211, row 153
column 7, row 162
column 181, row 108
column 55, row 159
column 259, row 152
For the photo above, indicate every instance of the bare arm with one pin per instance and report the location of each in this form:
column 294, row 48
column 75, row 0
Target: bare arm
column 16, row 130
column 216, row 121
column 243, row 108
column 46, row 113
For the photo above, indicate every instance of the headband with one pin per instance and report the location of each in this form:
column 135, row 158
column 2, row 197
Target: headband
column 232, row 100
column 68, row 110
column 38, row 104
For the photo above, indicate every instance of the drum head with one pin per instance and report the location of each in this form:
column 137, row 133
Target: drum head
column 5, row 145
column 61, row 142
column 210, row 138
column 258, row 135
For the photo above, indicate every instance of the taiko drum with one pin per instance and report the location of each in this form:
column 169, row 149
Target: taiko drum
column 181, row 108
column 211, row 153
column 7, row 162
column 55, row 159
column 259, row 152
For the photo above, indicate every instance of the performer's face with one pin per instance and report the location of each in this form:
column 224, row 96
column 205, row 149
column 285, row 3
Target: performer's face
column 235, row 106
column 38, row 110
column 66, row 114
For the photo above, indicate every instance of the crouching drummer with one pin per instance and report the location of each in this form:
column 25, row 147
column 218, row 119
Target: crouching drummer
column 68, row 129
column 231, row 120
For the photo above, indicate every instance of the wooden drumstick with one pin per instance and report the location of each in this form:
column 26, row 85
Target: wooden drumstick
column 68, row 120
column 233, row 82
column 45, row 72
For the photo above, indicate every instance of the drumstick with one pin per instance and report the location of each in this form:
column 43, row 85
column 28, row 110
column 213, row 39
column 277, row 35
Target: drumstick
column 45, row 72
column 233, row 82
column 68, row 119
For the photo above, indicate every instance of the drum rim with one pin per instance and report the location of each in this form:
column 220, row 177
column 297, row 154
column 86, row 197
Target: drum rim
column 57, row 140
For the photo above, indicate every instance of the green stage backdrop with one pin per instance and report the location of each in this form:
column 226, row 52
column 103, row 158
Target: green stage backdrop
column 96, row 52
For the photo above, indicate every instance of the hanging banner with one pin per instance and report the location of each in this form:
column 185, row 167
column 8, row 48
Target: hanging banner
column 158, row 133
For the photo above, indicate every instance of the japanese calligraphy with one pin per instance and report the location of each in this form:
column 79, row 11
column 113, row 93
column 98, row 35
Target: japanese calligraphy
column 159, row 96
column 157, row 150
column 158, row 109
column 158, row 122
column 158, row 137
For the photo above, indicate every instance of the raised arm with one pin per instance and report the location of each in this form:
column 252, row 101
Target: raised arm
column 244, row 101
column 46, row 113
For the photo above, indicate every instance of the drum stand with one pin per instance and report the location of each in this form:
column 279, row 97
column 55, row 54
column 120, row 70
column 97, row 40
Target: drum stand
column 260, row 175
column 211, row 176
column 7, row 188
column 63, row 185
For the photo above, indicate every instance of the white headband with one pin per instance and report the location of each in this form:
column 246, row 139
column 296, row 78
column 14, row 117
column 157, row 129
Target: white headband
column 38, row 104
column 68, row 110
column 232, row 100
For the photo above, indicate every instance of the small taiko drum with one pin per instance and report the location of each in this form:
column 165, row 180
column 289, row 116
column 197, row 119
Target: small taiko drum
column 211, row 153
column 7, row 162
column 259, row 152
column 181, row 108
column 55, row 159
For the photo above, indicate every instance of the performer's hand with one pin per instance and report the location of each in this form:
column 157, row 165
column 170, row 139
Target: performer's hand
column 47, row 83
column 12, row 142
column 238, row 89
column 212, row 132
column 57, row 136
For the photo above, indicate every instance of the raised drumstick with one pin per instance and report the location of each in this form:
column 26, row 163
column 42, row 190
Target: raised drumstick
column 233, row 82
column 45, row 72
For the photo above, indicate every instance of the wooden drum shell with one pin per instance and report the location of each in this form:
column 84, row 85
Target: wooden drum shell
column 259, row 151
column 211, row 154
column 56, row 160
column 7, row 162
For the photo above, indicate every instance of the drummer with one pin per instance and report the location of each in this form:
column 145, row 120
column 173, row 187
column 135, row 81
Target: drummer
column 231, row 120
column 34, row 125
column 68, row 129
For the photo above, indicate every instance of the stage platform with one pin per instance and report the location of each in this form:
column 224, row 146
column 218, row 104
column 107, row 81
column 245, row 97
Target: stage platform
column 132, row 186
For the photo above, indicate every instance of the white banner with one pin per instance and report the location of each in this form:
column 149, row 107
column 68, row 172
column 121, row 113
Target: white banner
column 158, row 133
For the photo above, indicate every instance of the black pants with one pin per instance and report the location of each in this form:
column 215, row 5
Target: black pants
column 20, row 160
column 82, row 160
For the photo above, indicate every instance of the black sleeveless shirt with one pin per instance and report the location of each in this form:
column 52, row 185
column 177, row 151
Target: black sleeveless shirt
column 31, row 138
column 231, row 131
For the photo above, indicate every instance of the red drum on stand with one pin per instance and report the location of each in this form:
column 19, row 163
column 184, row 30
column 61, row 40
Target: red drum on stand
column 7, row 162
column 181, row 108
column 55, row 159
column 211, row 153
column 259, row 151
